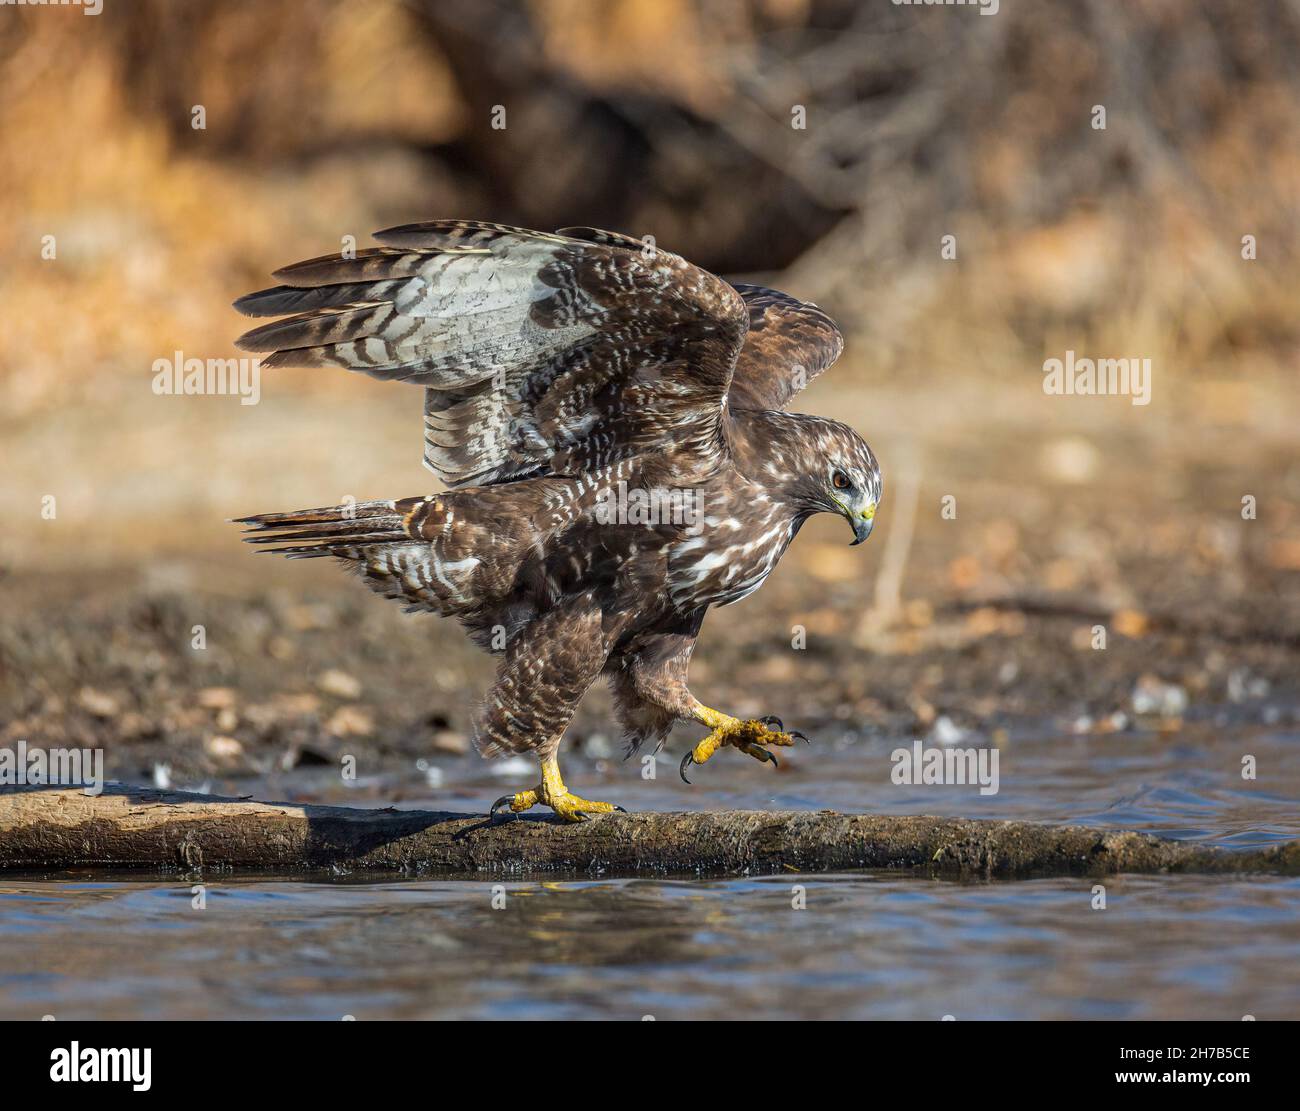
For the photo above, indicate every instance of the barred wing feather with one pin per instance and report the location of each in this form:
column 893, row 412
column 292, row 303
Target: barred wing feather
column 539, row 353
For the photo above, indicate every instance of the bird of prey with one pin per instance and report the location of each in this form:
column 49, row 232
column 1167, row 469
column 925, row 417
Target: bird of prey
column 609, row 422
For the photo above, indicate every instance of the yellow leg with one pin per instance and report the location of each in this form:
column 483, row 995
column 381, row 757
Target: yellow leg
column 553, row 793
column 748, row 736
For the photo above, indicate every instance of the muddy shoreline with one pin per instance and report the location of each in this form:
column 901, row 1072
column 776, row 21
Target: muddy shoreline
column 300, row 682
column 146, row 628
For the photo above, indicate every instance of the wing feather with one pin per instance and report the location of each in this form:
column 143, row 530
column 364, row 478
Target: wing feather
column 539, row 352
column 789, row 343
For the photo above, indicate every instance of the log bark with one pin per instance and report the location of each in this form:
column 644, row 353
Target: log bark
column 170, row 831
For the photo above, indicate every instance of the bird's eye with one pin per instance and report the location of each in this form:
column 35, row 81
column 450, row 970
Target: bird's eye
column 840, row 480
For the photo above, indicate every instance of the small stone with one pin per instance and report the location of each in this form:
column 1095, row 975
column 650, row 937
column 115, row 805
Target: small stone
column 339, row 683
column 1242, row 687
column 947, row 732
column 131, row 725
column 216, row 698
column 924, row 712
column 223, row 748
column 350, row 721
column 1154, row 697
column 983, row 622
column 297, row 705
column 450, row 742
column 1131, row 623
column 96, row 702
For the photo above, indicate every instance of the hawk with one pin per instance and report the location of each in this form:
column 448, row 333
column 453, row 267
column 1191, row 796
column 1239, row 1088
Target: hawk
column 609, row 422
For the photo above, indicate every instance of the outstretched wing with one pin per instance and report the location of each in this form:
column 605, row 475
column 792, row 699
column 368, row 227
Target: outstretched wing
column 539, row 353
column 789, row 343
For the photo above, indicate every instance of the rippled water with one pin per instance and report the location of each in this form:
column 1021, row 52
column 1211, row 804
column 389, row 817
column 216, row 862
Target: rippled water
column 862, row 946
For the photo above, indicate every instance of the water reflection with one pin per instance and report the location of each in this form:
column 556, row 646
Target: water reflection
column 864, row 946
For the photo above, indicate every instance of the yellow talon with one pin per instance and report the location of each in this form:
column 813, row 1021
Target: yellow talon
column 524, row 800
column 748, row 736
column 553, row 793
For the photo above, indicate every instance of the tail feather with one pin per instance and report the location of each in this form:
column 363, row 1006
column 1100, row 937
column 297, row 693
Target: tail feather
column 339, row 530
column 405, row 549
column 318, row 516
column 353, row 534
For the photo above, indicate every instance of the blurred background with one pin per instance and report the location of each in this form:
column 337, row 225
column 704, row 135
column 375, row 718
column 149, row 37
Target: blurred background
column 822, row 146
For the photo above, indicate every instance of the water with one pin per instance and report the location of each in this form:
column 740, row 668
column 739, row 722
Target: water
column 863, row 946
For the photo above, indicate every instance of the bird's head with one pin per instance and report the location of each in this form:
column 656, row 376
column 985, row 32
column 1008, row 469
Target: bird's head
column 845, row 477
column 812, row 465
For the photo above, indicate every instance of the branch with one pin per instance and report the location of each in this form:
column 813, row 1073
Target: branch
column 887, row 603
column 137, row 827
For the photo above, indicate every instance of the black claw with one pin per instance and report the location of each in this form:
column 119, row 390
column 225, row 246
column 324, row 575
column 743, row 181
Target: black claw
column 772, row 720
column 795, row 733
column 504, row 800
column 583, row 816
column 621, row 809
column 689, row 758
column 772, row 756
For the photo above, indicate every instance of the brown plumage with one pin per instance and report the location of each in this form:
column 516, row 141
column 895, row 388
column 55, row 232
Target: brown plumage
column 607, row 418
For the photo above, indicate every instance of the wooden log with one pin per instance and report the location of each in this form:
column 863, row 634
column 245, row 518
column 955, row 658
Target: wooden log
column 143, row 828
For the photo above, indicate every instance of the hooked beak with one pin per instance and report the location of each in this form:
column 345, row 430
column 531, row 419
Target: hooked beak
column 862, row 521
